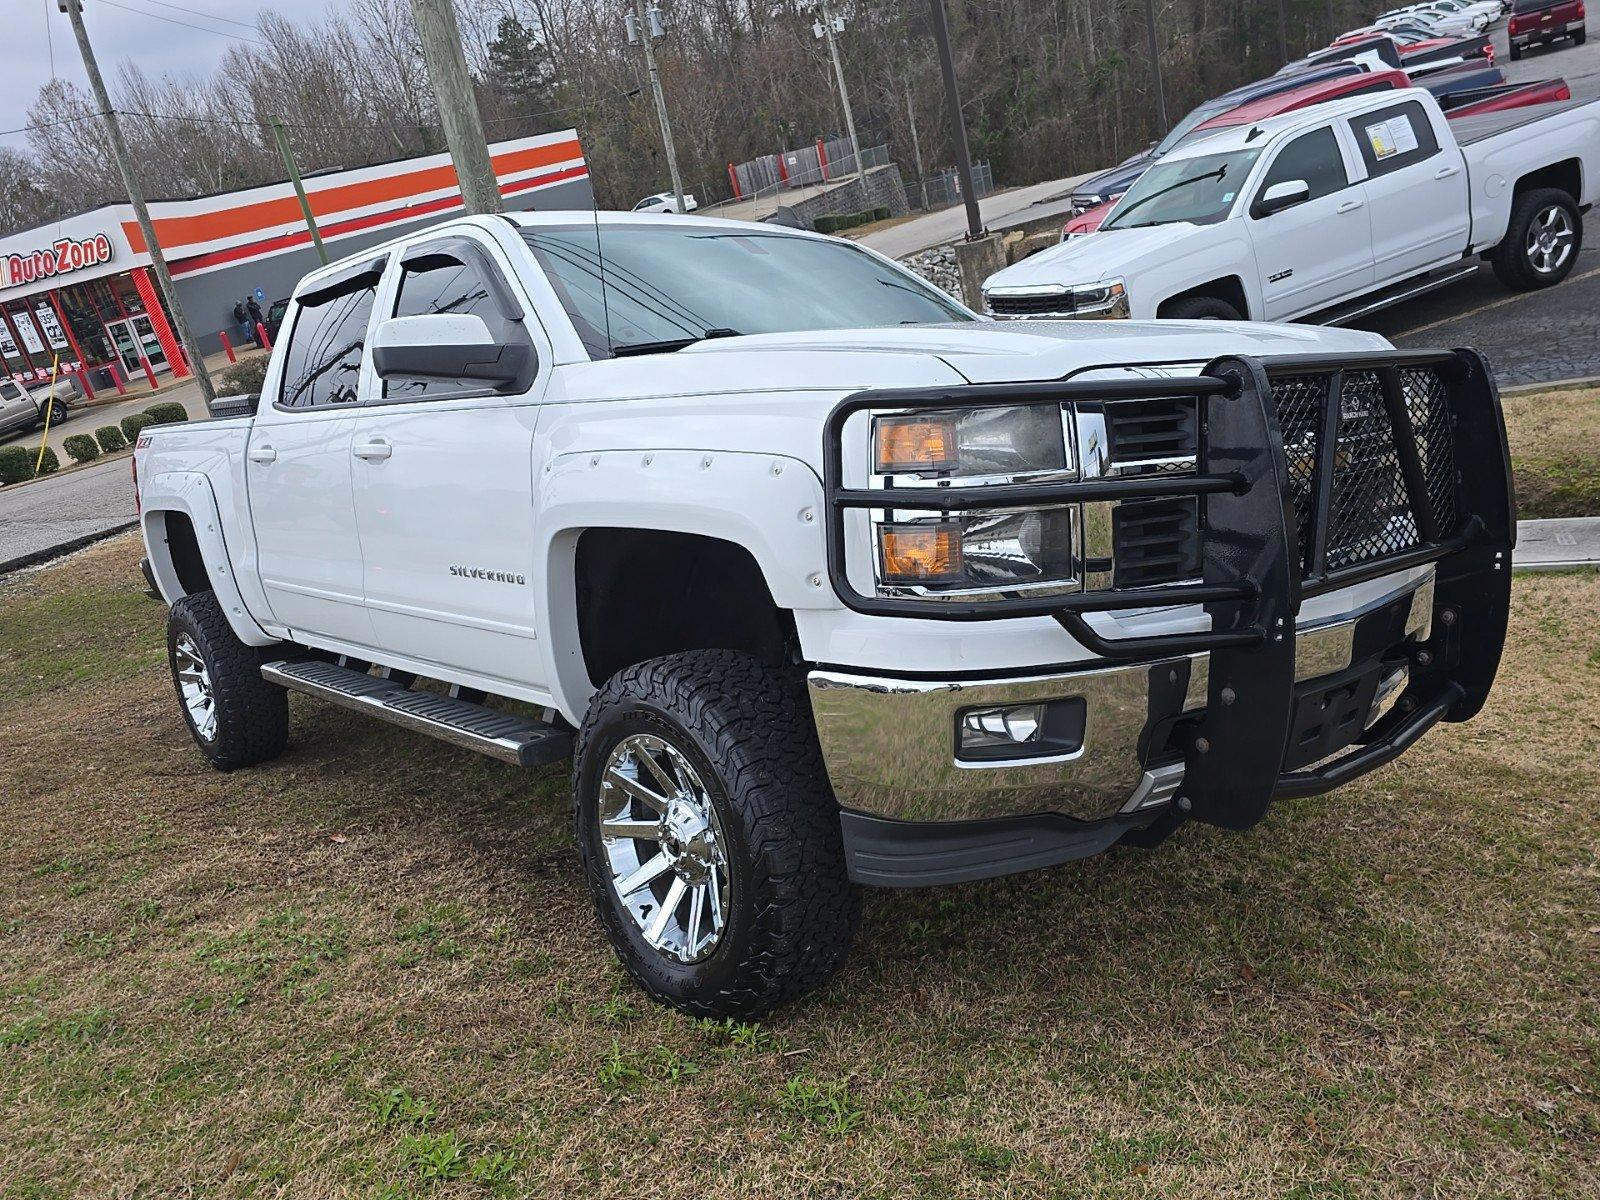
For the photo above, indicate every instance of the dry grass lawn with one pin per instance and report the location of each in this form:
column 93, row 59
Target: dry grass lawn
column 371, row 970
column 1555, row 452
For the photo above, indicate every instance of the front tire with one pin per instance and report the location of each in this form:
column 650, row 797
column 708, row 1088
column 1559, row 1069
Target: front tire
column 1201, row 308
column 1542, row 241
column 709, row 836
column 236, row 717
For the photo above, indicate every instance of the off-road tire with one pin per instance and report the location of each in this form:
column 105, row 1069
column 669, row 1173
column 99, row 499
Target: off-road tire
column 252, row 714
column 746, row 728
column 1510, row 257
column 1201, row 308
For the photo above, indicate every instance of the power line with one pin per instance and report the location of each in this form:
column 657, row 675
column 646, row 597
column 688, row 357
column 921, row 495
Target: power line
column 198, row 13
column 185, row 24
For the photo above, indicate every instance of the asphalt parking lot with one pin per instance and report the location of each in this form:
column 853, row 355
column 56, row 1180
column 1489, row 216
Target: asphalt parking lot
column 1529, row 337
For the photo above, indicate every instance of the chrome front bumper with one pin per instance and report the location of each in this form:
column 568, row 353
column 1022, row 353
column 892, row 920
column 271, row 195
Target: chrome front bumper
column 890, row 743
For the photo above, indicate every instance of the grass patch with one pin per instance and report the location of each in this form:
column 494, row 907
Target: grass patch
column 372, row 969
column 1555, row 452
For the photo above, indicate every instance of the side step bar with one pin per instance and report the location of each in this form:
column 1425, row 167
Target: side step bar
column 1395, row 294
column 506, row 736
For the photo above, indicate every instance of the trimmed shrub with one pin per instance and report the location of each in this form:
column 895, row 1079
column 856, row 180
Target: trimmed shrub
column 110, row 439
column 51, row 464
column 133, row 423
column 827, row 224
column 82, row 448
column 16, row 464
column 167, row 412
column 243, row 378
column 881, row 213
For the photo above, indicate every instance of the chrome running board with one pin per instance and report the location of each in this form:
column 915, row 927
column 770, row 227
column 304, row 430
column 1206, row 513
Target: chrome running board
column 1383, row 300
column 508, row 737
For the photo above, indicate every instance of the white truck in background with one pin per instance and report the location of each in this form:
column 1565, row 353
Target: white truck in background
column 1328, row 214
column 820, row 579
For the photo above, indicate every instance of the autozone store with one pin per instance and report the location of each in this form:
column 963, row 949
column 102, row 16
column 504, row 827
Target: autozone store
column 79, row 293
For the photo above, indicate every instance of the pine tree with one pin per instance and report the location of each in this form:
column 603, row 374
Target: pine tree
column 520, row 70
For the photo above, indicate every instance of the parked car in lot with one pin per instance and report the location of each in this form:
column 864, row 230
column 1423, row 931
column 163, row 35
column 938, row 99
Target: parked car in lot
column 22, row 405
column 1540, row 22
column 665, row 202
column 820, row 579
column 1329, row 213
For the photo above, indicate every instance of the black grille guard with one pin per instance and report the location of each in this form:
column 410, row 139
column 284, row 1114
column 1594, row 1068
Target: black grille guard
column 1254, row 572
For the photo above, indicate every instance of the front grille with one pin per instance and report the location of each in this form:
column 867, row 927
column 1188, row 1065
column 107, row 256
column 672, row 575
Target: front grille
column 1155, row 541
column 1031, row 305
column 1153, row 434
column 1370, row 515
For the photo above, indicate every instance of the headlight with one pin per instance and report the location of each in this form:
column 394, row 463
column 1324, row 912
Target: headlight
column 969, row 444
column 1083, row 202
column 999, row 549
column 1107, row 298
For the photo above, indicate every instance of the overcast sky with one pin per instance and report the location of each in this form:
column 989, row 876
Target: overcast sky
column 162, row 36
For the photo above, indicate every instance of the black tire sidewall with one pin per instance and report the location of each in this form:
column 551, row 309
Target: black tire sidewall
column 182, row 622
column 1512, row 264
column 252, row 714
column 1201, row 308
column 682, row 983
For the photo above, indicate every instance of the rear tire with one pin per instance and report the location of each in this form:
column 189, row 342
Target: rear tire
column 236, row 717
column 1580, row 37
column 1516, row 53
column 746, row 822
column 1200, row 308
column 1542, row 241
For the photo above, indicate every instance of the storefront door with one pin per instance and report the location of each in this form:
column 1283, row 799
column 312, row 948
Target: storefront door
column 134, row 337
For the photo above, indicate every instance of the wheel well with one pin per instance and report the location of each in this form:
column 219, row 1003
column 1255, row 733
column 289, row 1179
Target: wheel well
column 183, row 549
column 1567, row 176
column 643, row 593
column 1229, row 289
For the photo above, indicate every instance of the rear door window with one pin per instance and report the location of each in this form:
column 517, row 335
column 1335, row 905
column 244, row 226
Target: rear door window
column 326, row 345
column 1391, row 139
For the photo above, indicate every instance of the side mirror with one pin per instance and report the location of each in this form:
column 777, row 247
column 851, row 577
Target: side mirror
column 1283, row 195
column 453, row 346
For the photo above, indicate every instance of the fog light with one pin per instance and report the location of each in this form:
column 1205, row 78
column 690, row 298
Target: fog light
column 1020, row 730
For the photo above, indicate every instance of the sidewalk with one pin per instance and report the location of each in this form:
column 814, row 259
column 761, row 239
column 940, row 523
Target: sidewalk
column 1557, row 544
column 950, row 224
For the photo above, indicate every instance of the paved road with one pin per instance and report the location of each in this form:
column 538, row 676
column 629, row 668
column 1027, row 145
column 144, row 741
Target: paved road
column 62, row 510
column 949, row 224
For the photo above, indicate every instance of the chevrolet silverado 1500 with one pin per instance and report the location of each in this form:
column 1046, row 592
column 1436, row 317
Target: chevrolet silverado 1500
column 1329, row 213
column 820, row 579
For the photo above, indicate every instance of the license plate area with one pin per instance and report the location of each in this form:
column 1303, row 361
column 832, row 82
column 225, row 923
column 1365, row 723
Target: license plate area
column 1330, row 713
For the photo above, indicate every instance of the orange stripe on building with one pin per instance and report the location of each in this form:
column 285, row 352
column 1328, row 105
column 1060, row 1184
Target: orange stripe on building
column 175, row 232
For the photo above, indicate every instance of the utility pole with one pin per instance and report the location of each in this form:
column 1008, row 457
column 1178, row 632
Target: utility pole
column 119, row 150
column 958, row 123
column 1155, row 65
column 458, row 107
column 916, row 148
column 281, row 136
column 826, row 28
column 1283, row 33
column 645, row 26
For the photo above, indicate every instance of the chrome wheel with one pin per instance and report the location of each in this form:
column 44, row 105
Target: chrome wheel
column 664, row 847
column 194, row 687
column 1550, row 240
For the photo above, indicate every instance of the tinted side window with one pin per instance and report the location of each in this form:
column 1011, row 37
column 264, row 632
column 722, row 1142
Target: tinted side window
column 325, row 349
column 1313, row 157
column 1392, row 138
column 443, row 283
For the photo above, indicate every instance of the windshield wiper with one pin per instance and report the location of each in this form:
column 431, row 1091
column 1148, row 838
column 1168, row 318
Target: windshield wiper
column 1219, row 174
column 630, row 349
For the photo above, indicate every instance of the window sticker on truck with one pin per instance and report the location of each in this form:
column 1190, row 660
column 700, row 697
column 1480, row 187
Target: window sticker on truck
column 1391, row 137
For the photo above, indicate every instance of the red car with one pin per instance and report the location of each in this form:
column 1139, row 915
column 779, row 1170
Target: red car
column 1538, row 22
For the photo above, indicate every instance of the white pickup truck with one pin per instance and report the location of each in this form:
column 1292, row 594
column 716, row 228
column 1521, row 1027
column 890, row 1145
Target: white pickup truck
column 1328, row 214
column 821, row 579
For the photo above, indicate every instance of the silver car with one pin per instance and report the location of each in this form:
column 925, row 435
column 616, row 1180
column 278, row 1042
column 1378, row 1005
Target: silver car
column 22, row 409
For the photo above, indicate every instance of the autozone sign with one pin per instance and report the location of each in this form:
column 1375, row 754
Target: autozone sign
column 59, row 258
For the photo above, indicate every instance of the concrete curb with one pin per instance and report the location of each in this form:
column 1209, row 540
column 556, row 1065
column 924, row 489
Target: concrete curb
column 34, row 557
column 1555, row 385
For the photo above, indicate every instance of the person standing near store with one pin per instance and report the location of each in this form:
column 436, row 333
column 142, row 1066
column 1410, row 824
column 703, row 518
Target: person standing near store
column 241, row 322
column 256, row 317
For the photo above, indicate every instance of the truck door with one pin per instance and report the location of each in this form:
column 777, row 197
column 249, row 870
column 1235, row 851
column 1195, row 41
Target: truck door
column 298, row 464
column 1317, row 252
column 443, row 483
column 1416, row 189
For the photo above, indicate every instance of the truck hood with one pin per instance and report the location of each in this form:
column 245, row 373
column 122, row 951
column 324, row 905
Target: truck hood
column 847, row 360
column 1111, row 252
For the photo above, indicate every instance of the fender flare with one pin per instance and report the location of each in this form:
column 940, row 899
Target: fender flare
column 190, row 493
column 770, row 505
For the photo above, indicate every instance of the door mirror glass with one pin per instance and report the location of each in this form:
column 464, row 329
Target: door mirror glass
column 1283, row 195
column 452, row 347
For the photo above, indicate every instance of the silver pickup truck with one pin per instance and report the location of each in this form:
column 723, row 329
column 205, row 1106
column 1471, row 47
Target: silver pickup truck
column 23, row 408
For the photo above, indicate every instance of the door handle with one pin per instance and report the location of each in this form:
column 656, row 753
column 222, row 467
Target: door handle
column 374, row 451
column 262, row 454
column 1445, row 172
column 1349, row 206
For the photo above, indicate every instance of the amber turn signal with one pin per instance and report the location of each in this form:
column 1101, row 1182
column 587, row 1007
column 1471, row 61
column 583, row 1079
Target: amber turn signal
column 920, row 553
column 916, row 443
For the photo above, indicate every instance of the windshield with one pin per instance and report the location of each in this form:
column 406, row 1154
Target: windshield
column 1197, row 190
column 1197, row 117
column 667, row 286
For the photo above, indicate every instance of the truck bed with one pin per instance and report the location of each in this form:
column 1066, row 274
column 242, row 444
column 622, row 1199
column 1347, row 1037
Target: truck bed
column 1471, row 130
